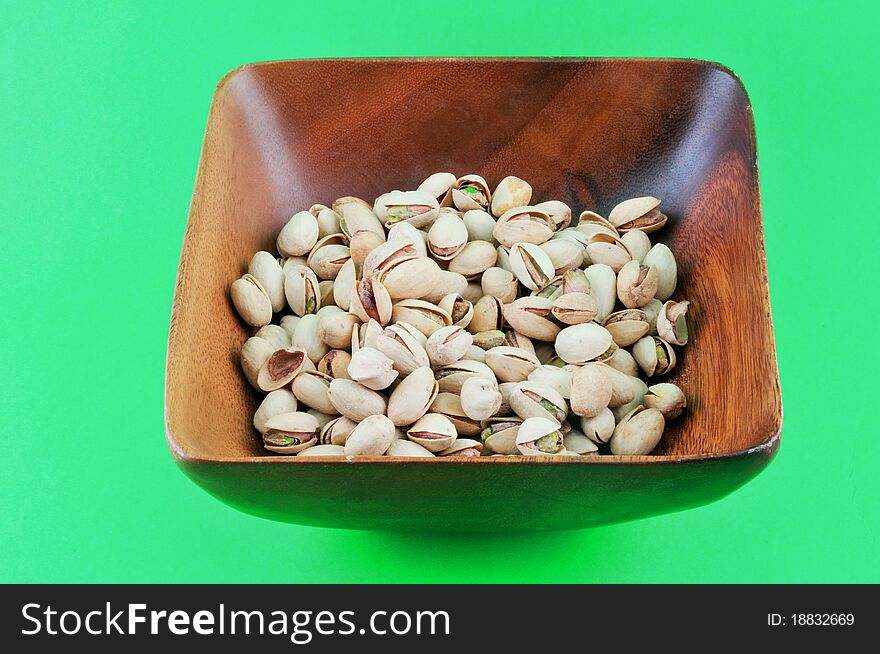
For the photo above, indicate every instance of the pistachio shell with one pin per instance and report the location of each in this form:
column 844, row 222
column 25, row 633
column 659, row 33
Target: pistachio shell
column 474, row 259
column 312, row 387
column 289, row 433
column 578, row 443
column 592, row 219
column 251, row 301
column 337, row 431
column 298, row 236
column 480, row 398
column 393, row 251
column 460, row 310
column 328, row 220
column 335, row 364
column 266, row 269
column 500, row 283
column 465, row 200
column 480, row 225
column 667, row 398
column 609, row 250
column 355, row 401
column 412, row 397
column 254, row 353
column 638, row 244
column 307, row 335
column 411, row 279
column 448, row 283
column 424, row 316
column 641, row 388
column 559, row 379
column 439, row 186
column 275, row 403
column 523, row 224
column 530, row 399
column 559, row 212
column 462, row 447
column 585, row 342
column 530, row 316
column 328, row 260
column 511, row 364
column 372, row 437
column 362, row 244
column 603, row 289
column 652, row 312
column 323, row 450
column 574, row 308
column 418, row 208
column 564, row 254
column 671, row 323
column 627, row 326
column 636, row 284
column 372, row 369
column 499, row 435
column 406, row 448
column 654, row 355
column 433, row 431
column 624, row 362
column 599, row 428
column 358, row 216
column 280, row 368
column 661, row 257
column 638, row 432
column 539, row 437
column 370, row 300
column 406, row 233
column 638, row 213
column 302, row 290
column 275, row 334
column 451, row 377
column 531, row 265
column 488, row 315
column 335, row 329
column 447, row 345
column 447, row 236
column 511, row 192
column 403, row 348
column 449, row 405
column 344, row 284
column 590, row 391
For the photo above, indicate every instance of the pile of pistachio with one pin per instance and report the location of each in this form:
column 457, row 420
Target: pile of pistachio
column 457, row 321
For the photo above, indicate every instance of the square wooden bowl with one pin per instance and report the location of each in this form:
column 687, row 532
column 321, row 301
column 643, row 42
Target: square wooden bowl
column 284, row 135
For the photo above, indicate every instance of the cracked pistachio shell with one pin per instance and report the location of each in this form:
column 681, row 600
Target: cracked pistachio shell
column 328, row 260
column 325, row 288
column 280, row 368
column 418, row 208
column 559, row 379
column 372, row 437
column 302, row 290
column 559, row 212
column 623, row 390
column 411, row 279
column 339, row 203
column 565, row 254
column 371, row 368
column 552, row 290
column 661, row 257
column 324, row 450
column 531, row 265
column 451, row 377
column 462, row 447
column 448, row 283
column 499, row 435
column 529, row 399
column 276, row 402
column 312, row 389
column 403, row 348
column 530, row 316
column 407, row 448
column 654, row 356
column 636, row 284
column 523, row 225
column 592, row 219
column 638, row 432
column 627, row 326
column 322, row 418
column 358, row 216
column 406, row 233
column 370, row 300
column 447, row 236
column 480, row 398
column 599, row 428
column 513, row 338
column 449, row 405
column 638, row 213
column 652, row 312
column 585, row 342
column 354, row 400
column 500, row 283
column 480, row 225
column 671, row 323
column 511, row 364
column 575, row 281
column 266, row 270
column 284, row 262
column 574, row 235
column 609, row 250
column 578, row 443
column 540, row 437
column 335, row 329
column 433, row 431
column 488, row 315
column 439, row 187
column 424, row 316
column 590, row 391
column 475, row 353
column 344, row 284
column 275, row 334
column 474, row 259
column 289, row 433
column 471, row 192
column 503, row 258
column 574, row 308
column 460, row 310
column 335, row 364
column 667, row 398
column 389, row 253
column 448, row 345
column 251, row 301
column 336, row 431
column 624, row 362
column 511, row 192
column 328, row 220
column 298, row 236
column 362, row 244
column 603, row 285
column 638, row 244
column 307, row 335
column 366, row 335
column 506, row 388
column 412, row 397
column 640, row 389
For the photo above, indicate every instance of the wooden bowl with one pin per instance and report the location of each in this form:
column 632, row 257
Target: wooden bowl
column 284, row 135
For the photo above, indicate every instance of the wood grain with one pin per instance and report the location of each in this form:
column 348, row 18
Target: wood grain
column 284, row 135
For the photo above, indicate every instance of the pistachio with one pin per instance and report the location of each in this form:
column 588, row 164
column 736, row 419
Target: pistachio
column 280, row 368
column 412, row 278
column 667, row 398
column 523, row 224
column 500, row 283
column 627, row 326
column 574, row 308
column 474, row 259
column 312, row 388
column 654, row 355
column 578, row 443
column 358, row 216
column 433, row 431
column 661, row 257
column 585, row 342
column 590, row 391
column 475, row 353
column 418, row 208
column 499, row 435
column 511, row 364
column 513, row 338
column 372, row 437
column 559, row 212
column 447, row 236
column 462, row 447
column 447, row 345
column 403, row 348
column 471, row 192
column 328, row 220
column 640, row 388
column 335, row 329
column 406, row 233
column 335, row 364
column 530, row 316
column 564, row 254
column 530, row 399
column 622, row 388
column 592, row 219
column 451, row 377
column 559, row 379
column 276, row 402
column 603, row 289
column 251, row 301
column 301, row 289
column 367, row 335
column 298, row 236
column 671, row 323
column 449, row 405
column 275, row 334
column 340, row 203
column 439, row 187
column 539, row 437
column 460, row 310
column 289, row 433
column 344, row 284
column 472, row 292
column 327, row 260
column 531, row 265
column 638, row 213
column 412, row 397
column 638, row 432
column 370, row 300
column 623, row 361
column 406, row 448
column 609, row 250
column 652, row 312
column 480, row 225
column 636, row 284
column 323, row 450
column 307, row 336
column 372, row 369
column 488, row 315
column 511, row 192
column 598, row 428
column 638, row 244
column 288, row 324
column 355, row 401
column 480, row 398
column 575, row 281
column 488, row 339
column 337, row 431
column 448, row 283
column 424, row 316
column 362, row 244
column 503, row 260
column 267, row 271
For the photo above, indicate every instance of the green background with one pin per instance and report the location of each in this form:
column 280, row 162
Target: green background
column 102, row 111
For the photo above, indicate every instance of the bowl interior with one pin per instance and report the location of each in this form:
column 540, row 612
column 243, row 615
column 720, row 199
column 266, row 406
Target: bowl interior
column 282, row 136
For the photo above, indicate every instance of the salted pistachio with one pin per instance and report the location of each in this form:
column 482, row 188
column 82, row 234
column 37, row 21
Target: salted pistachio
column 590, row 391
column 623, row 361
column 301, row 289
column 480, row 398
column 471, row 192
column 276, row 402
column 559, row 212
column 371, row 368
column 354, row 400
column 462, row 447
column 344, row 284
column 447, row 236
column 511, row 364
column 289, row 433
column 609, row 250
column 362, row 244
column 433, row 431
column 327, row 260
column 328, row 220
column 636, row 284
column 389, row 253
column 460, row 310
column 559, row 379
column 640, row 389
column 474, row 259
column 451, row 377
column 480, row 225
column 499, row 434
column 654, row 355
column 667, row 398
column 312, row 387
column 407, row 448
column 530, row 316
column 529, row 399
column 638, row 244
column 488, row 315
column 638, row 432
column 336, row 431
column 307, row 336
column 449, row 405
column 411, row 278
column 627, row 326
column 448, row 283
column 403, row 348
column 372, row 437
column 638, row 213
column 412, row 397
column 251, row 301
column 564, row 254
column 511, row 192
column 585, row 342
column 600, row 427
column 671, row 323
column 603, row 288
column 574, row 308
column 335, row 364
column 334, row 451
column 540, row 437
column 280, row 368
column 500, row 283
column 418, row 208
column 448, row 345
column 652, row 312
column 335, row 329
column 267, row 271
column 523, row 224
column 661, row 257
column 298, row 236
column 424, row 316
column 370, row 300
column 356, row 217
column 578, row 443
column 503, row 260
column 275, row 334
column 531, row 265
column 439, row 187
column 406, row 233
